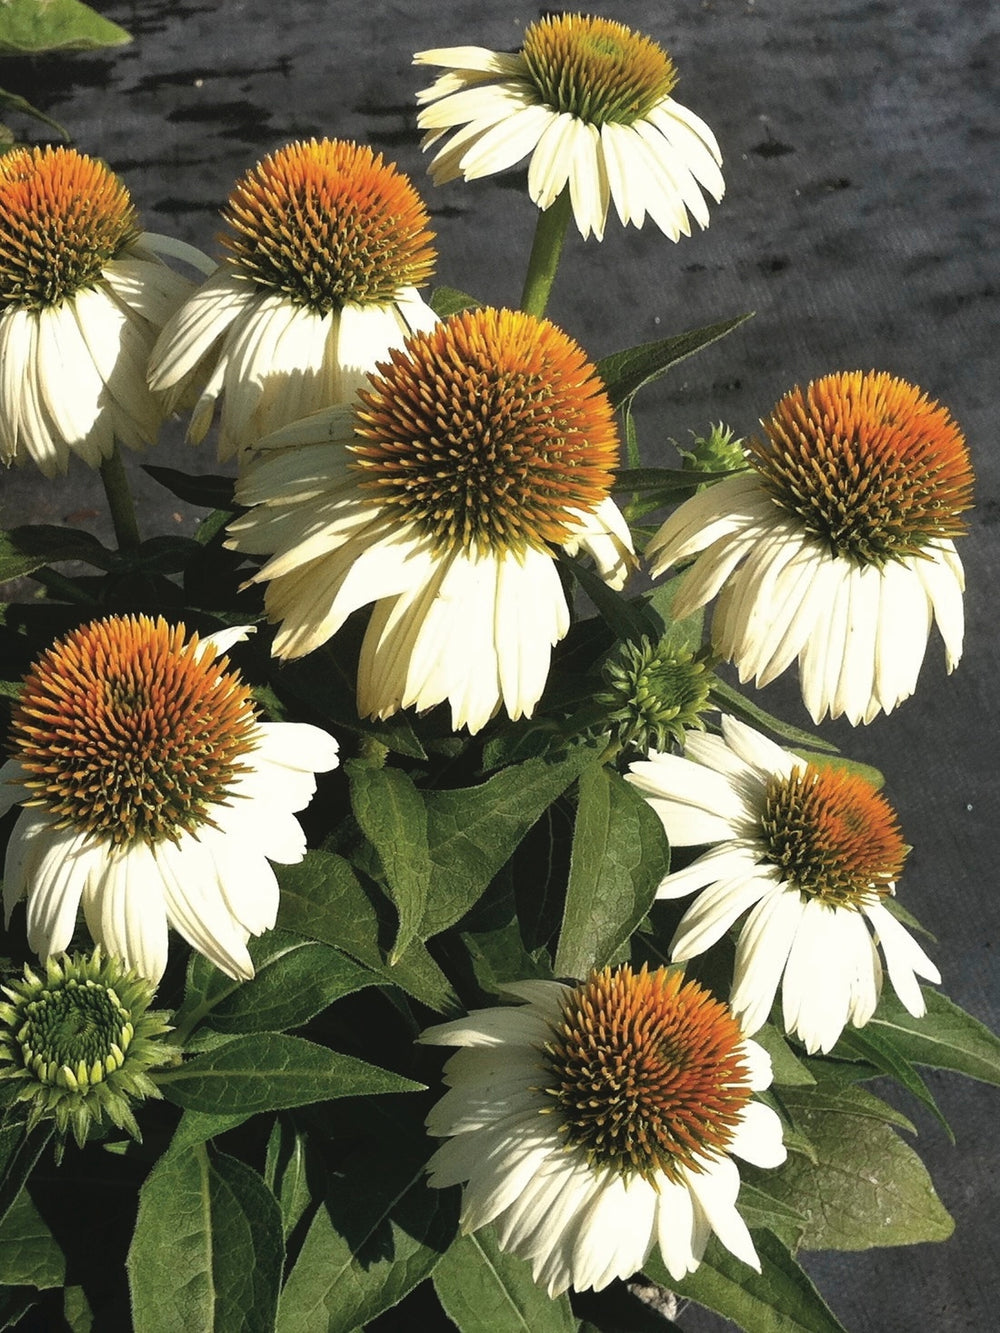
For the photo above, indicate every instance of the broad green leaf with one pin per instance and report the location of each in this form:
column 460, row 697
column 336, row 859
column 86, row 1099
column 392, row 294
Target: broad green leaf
column 285, row 1172
column 483, row 1289
column 25, row 549
column 624, row 373
column 28, row 27
column 865, row 1188
column 499, row 956
column 378, row 1232
column 473, row 831
column 323, row 899
column 878, row 1047
column 779, row 1299
column 295, row 979
column 196, row 1127
column 760, row 1211
column 946, row 1037
column 620, row 855
column 30, row 1256
column 270, row 1072
column 207, row 1251
column 393, row 817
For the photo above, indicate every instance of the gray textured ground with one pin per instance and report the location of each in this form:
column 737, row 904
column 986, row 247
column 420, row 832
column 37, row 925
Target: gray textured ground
column 860, row 139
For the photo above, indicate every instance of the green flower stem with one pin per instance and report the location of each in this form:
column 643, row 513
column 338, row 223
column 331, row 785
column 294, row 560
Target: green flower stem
column 116, row 488
column 550, row 232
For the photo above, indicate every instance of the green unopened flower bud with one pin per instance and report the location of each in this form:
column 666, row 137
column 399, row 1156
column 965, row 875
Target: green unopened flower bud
column 718, row 451
column 77, row 1043
column 654, row 693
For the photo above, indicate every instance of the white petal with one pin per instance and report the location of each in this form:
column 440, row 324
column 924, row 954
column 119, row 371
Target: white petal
column 125, row 912
column 714, row 911
column 903, row 958
column 714, row 1191
column 761, row 955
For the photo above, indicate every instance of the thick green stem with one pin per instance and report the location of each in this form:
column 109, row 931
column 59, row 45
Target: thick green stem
column 116, row 488
column 550, row 232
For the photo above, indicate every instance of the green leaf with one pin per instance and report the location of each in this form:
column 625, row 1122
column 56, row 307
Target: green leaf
column 666, row 478
column 323, row 899
column 731, row 701
column 838, row 761
column 865, row 1188
column 847, row 1100
column 393, row 817
column 788, row 1069
column 30, row 1256
column 196, row 1127
column 14, row 102
column 28, row 27
column 295, row 979
column 483, row 1289
column 779, row 1299
column 447, row 301
column 624, row 373
column 761, row 1212
column 620, row 855
column 682, row 635
column 285, row 1172
column 628, row 619
column 879, row 1048
column 378, row 1232
column 324, row 681
column 208, row 490
column 19, row 1151
column 945, row 1038
column 207, row 1251
column 473, row 831
column 25, row 549
column 499, row 956
column 76, row 1310
column 270, row 1072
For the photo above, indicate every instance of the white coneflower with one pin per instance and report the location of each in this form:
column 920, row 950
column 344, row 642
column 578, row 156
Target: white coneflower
column 152, row 795
column 83, row 295
column 836, row 548
column 327, row 247
column 595, row 1121
column 811, row 854
column 475, row 452
column 590, row 101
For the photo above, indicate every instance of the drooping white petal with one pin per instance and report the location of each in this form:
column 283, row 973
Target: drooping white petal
column 904, row 958
column 714, row 1191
